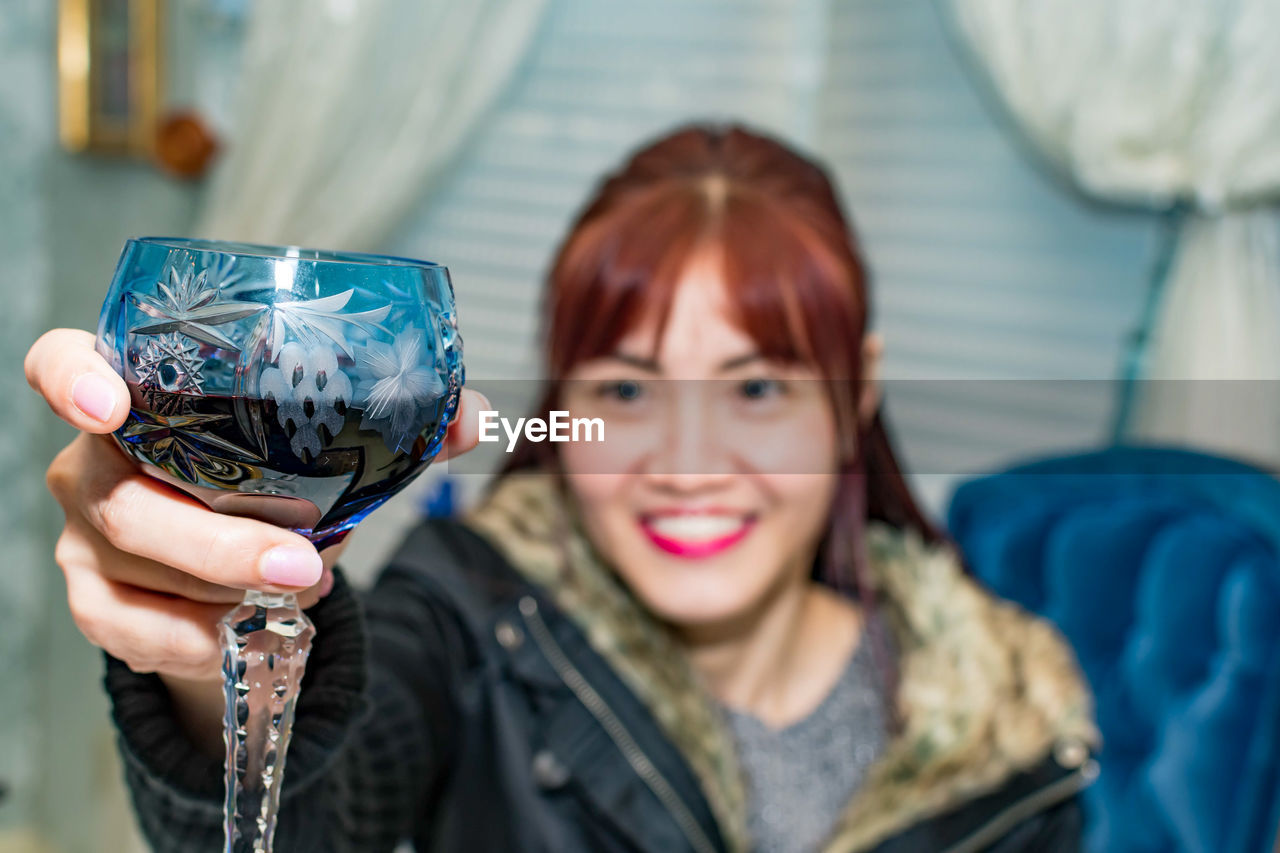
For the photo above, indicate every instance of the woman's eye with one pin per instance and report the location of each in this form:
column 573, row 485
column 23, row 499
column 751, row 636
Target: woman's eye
column 625, row 390
column 758, row 388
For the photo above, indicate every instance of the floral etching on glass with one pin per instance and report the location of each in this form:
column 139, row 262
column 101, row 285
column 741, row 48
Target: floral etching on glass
column 319, row 323
column 396, row 387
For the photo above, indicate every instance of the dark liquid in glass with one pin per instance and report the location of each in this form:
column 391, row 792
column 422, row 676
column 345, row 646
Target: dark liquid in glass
column 235, row 455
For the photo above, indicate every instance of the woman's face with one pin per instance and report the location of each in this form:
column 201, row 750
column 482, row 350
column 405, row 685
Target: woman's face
column 712, row 488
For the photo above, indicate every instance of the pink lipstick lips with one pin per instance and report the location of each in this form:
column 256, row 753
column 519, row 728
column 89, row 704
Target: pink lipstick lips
column 695, row 535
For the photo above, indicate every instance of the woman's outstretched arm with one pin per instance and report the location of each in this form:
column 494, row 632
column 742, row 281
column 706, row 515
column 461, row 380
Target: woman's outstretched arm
column 370, row 742
column 149, row 573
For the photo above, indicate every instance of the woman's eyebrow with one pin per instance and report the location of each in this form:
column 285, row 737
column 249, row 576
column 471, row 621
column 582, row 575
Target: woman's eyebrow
column 652, row 366
column 638, row 361
column 740, row 360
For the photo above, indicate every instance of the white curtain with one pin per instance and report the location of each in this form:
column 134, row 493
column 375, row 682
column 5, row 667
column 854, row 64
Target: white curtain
column 349, row 108
column 1167, row 104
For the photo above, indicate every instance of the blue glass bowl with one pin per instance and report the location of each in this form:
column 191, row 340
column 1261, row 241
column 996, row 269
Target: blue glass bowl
column 297, row 386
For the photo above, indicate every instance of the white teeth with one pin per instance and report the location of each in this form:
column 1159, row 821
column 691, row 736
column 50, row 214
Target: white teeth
column 696, row 528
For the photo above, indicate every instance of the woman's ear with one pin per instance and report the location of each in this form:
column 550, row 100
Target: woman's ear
column 869, row 400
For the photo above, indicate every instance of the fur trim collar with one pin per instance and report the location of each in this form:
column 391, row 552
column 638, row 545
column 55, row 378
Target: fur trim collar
column 985, row 689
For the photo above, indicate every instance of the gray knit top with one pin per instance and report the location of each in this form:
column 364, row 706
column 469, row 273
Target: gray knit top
column 799, row 778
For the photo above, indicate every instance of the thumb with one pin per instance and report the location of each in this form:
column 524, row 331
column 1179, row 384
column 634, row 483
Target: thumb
column 77, row 383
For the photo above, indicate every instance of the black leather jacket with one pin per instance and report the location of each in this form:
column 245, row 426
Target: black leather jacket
column 454, row 705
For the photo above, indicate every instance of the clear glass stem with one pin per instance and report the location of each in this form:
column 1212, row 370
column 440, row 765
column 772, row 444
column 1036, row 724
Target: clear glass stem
column 265, row 643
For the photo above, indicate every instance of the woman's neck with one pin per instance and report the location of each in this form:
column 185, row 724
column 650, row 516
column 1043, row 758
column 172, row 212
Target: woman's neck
column 778, row 662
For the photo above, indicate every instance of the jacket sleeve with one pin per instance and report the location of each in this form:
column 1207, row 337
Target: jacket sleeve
column 370, row 738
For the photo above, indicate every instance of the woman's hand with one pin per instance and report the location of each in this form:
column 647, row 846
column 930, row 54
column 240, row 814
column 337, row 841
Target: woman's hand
column 149, row 570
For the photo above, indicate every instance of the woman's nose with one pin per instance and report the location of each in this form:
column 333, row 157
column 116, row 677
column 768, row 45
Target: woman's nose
column 693, row 453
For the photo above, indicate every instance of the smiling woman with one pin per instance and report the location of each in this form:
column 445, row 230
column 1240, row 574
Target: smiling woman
column 727, row 627
column 743, row 550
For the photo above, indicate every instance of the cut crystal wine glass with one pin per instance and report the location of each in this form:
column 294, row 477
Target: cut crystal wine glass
column 295, row 386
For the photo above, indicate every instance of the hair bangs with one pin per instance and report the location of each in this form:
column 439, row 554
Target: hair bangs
column 621, row 270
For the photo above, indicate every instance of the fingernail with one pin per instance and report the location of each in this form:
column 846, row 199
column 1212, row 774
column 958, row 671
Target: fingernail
column 292, row 565
column 94, row 396
column 486, row 405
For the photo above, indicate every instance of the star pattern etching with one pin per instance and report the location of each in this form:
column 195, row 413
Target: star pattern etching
column 184, row 445
column 189, row 304
column 168, row 370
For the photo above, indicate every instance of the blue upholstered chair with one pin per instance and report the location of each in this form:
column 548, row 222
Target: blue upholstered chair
column 1162, row 567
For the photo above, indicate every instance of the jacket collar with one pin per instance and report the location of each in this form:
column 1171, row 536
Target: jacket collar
column 985, row 692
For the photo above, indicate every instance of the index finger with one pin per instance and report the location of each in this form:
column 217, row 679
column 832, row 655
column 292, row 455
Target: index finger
column 77, row 383
column 142, row 516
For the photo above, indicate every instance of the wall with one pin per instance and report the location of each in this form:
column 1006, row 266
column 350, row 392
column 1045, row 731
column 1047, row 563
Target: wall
column 25, row 128
column 63, row 220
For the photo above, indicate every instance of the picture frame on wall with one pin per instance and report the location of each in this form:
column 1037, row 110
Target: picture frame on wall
column 109, row 75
